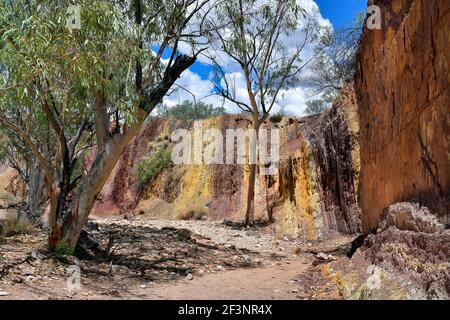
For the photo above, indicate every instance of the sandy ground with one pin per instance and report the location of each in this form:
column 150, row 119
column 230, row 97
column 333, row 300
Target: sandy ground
column 152, row 259
column 265, row 283
column 268, row 267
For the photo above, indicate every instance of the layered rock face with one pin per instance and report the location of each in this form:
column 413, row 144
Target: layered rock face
column 123, row 189
column 403, row 90
column 332, row 141
column 412, row 241
column 314, row 194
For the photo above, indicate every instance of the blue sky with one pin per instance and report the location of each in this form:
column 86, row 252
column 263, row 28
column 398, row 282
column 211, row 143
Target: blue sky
column 340, row 13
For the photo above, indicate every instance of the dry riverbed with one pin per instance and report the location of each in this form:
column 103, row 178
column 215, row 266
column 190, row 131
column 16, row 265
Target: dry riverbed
column 153, row 259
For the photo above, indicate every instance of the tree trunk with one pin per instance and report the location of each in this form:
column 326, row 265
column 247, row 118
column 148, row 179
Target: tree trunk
column 55, row 232
column 82, row 203
column 35, row 190
column 68, row 224
column 250, row 212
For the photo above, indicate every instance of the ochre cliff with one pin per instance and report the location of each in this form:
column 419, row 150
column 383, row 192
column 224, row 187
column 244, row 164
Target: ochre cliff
column 403, row 90
column 314, row 194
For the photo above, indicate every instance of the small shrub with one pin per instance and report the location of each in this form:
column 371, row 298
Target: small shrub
column 149, row 169
column 194, row 213
column 188, row 110
column 63, row 250
column 8, row 197
column 14, row 226
column 420, row 267
column 277, row 117
column 365, row 293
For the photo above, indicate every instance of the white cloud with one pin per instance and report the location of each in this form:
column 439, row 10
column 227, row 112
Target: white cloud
column 189, row 84
column 291, row 100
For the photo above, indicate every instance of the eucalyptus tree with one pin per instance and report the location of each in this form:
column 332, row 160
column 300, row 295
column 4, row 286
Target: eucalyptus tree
column 17, row 155
column 335, row 62
column 314, row 107
column 188, row 110
column 265, row 41
column 71, row 92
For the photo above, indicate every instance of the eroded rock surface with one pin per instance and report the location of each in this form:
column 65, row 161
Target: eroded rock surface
column 410, row 217
column 411, row 241
column 403, row 90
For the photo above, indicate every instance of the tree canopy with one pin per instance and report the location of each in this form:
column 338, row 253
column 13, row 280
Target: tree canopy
column 65, row 91
column 188, row 110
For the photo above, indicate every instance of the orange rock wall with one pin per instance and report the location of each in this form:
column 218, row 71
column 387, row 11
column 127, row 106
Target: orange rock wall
column 403, row 92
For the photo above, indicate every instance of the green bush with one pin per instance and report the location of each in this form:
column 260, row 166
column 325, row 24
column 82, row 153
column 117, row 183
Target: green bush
column 8, row 197
column 149, row 169
column 14, row 226
column 315, row 107
column 277, row 117
column 365, row 293
column 187, row 110
column 63, row 250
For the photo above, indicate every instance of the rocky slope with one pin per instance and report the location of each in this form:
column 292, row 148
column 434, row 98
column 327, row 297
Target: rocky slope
column 411, row 242
column 313, row 195
column 403, row 90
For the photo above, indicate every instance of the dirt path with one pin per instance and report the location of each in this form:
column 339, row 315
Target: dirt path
column 204, row 260
column 275, row 279
column 155, row 259
column 269, row 282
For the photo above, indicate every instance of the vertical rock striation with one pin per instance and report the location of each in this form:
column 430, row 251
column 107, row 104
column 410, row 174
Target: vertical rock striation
column 403, row 90
column 320, row 171
column 314, row 194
